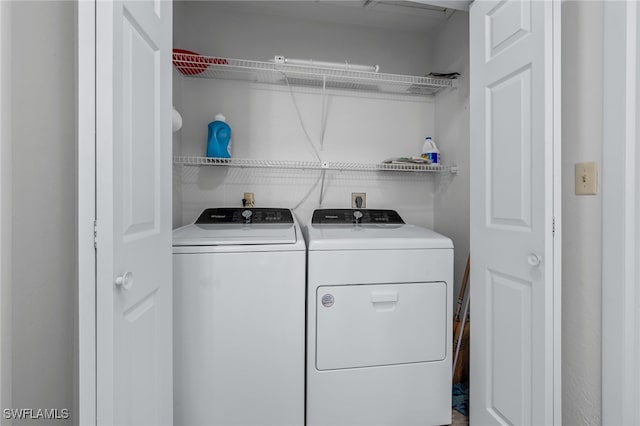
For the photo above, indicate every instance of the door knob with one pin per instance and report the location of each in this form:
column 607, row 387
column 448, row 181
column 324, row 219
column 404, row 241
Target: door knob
column 125, row 281
column 533, row 259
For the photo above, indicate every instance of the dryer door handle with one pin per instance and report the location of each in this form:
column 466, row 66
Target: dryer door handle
column 384, row 297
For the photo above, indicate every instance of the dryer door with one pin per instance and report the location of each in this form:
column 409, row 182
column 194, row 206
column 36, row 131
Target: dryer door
column 380, row 324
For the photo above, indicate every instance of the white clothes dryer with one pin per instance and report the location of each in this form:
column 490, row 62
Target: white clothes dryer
column 239, row 315
column 379, row 312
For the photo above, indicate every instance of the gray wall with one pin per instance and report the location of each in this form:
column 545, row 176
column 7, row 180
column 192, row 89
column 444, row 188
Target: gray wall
column 44, row 223
column 5, row 205
column 582, row 73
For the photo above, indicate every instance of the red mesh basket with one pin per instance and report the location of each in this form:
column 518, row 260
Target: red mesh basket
column 192, row 63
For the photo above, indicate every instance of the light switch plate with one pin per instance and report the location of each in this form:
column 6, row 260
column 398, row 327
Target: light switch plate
column 586, row 178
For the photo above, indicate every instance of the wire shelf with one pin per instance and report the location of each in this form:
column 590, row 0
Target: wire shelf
column 274, row 73
column 313, row 165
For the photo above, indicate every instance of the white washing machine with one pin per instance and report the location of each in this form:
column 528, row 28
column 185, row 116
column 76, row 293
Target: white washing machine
column 379, row 312
column 239, row 315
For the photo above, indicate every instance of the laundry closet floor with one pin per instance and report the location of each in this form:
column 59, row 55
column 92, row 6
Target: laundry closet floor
column 458, row 419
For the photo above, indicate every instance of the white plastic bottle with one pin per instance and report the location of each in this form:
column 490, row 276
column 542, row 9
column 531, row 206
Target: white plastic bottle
column 430, row 151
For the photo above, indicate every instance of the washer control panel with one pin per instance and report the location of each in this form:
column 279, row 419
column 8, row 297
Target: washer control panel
column 350, row 216
column 244, row 215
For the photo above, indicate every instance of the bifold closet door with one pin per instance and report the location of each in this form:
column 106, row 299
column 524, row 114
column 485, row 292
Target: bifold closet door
column 133, row 213
column 515, row 279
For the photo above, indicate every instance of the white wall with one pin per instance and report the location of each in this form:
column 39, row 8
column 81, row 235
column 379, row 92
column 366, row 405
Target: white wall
column 216, row 28
column 265, row 124
column 44, row 222
column 582, row 72
column 451, row 218
column 5, row 205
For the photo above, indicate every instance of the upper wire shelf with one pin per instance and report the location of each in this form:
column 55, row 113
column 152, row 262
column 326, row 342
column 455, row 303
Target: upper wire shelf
column 194, row 65
column 313, row 165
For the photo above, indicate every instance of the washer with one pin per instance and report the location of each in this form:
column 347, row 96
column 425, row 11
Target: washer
column 239, row 315
column 379, row 302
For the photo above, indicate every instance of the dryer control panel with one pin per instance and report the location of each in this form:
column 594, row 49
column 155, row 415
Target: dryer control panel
column 350, row 216
column 231, row 215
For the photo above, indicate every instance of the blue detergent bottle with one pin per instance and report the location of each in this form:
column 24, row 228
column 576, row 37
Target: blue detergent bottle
column 219, row 139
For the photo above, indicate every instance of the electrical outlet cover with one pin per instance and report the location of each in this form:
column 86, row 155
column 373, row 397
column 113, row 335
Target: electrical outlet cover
column 250, row 201
column 354, row 196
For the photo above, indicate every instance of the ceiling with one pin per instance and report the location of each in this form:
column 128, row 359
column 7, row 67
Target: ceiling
column 393, row 15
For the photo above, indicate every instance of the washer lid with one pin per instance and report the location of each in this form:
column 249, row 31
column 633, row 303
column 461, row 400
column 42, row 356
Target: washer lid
column 374, row 237
column 231, row 226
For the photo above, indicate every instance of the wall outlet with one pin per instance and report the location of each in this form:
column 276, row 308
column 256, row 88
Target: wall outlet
column 249, row 201
column 586, row 178
column 358, row 200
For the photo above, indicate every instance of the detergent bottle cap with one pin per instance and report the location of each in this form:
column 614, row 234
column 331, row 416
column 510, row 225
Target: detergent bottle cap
column 220, row 117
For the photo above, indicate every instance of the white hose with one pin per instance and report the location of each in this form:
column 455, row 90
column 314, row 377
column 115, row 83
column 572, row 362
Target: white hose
column 308, row 193
column 304, row 129
column 315, row 151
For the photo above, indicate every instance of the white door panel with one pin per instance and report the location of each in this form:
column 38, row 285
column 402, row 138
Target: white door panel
column 514, row 363
column 375, row 325
column 508, row 103
column 133, row 173
column 507, row 24
column 140, row 133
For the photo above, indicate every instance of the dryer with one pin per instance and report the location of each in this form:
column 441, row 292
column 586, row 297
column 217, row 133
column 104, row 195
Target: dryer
column 379, row 312
column 239, row 314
